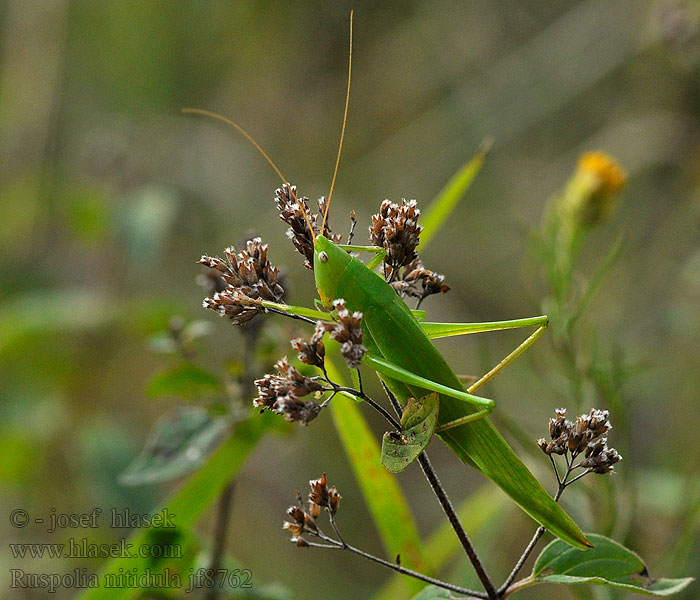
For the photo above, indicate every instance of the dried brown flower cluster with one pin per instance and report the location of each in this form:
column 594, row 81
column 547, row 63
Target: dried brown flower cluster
column 281, row 393
column 415, row 275
column 320, row 496
column 584, row 436
column 348, row 332
column 249, row 277
column 295, row 212
column 312, row 352
column 395, row 228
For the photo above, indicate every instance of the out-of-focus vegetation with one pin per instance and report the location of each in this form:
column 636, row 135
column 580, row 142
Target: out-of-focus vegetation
column 109, row 195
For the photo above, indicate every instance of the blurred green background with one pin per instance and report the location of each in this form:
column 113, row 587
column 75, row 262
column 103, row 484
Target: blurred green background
column 109, row 195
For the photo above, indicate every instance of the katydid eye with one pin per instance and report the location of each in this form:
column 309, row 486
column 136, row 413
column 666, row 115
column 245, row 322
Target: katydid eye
column 323, row 257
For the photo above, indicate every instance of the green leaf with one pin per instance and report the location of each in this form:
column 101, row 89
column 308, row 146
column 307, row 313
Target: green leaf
column 432, row 592
column 385, row 500
column 177, row 445
column 185, row 381
column 186, row 505
column 449, row 196
column 608, row 563
column 53, row 311
column 418, row 422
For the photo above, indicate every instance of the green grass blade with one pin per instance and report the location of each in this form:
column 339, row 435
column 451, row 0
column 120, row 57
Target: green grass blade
column 385, row 500
column 475, row 513
column 449, row 196
column 186, row 505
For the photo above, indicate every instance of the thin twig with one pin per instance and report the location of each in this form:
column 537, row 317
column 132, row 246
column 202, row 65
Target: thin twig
column 376, row 406
column 452, row 517
column 395, row 567
column 223, row 515
column 223, row 512
column 538, row 534
column 449, row 510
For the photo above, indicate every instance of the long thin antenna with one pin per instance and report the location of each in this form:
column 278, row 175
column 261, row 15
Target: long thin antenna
column 342, row 133
column 244, row 133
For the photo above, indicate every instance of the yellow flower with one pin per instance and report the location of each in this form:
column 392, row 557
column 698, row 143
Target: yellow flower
column 591, row 193
column 610, row 175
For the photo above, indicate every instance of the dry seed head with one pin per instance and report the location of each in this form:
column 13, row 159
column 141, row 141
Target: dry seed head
column 415, row 274
column 249, row 278
column 312, row 352
column 582, row 436
column 321, row 496
column 295, row 212
column 395, row 228
column 280, row 393
column 348, row 332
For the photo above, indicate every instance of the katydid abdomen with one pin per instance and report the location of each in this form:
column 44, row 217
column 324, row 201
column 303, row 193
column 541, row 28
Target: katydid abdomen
column 393, row 333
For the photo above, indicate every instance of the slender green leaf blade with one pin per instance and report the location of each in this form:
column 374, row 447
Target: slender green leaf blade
column 608, row 563
column 418, row 422
column 447, row 199
column 186, row 506
column 385, row 500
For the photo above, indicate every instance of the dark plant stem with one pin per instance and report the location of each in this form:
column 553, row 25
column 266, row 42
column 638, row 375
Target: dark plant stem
column 449, row 510
column 223, row 511
column 376, row 406
column 456, row 524
column 223, row 515
column 337, row 544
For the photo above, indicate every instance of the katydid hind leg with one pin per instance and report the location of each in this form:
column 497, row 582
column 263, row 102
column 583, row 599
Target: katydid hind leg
column 398, row 373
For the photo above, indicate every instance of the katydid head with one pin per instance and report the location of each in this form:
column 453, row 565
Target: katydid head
column 329, row 263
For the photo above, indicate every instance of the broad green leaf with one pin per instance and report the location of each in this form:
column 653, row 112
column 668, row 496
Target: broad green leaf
column 385, row 500
column 608, row 563
column 449, row 196
column 433, row 593
column 418, row 422
column 178, row 444
column 185, row 381
column 186, row 505
column 475, row 513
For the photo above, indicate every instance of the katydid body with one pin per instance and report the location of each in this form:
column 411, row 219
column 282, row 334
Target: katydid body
column 392, row 333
